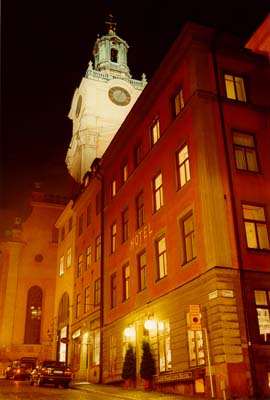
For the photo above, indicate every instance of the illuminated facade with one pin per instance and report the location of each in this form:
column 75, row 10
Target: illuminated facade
column 100, row 104
column 27, row 282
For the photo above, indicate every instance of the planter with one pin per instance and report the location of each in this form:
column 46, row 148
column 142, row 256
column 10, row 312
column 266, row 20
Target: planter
column 147, row 384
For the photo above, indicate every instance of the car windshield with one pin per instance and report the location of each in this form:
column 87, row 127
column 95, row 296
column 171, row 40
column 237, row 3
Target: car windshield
column 54, row 364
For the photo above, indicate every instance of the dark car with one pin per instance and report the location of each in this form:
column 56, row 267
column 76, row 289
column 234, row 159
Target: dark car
column 20, row 369
column 53, row 372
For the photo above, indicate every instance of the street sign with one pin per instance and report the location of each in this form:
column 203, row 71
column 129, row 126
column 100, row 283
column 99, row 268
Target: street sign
column 195, row 317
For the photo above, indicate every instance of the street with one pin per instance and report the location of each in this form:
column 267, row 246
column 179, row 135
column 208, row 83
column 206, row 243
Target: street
column 10, row 389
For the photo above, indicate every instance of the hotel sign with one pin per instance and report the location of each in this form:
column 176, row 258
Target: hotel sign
column 140, row 236
column 174, row 376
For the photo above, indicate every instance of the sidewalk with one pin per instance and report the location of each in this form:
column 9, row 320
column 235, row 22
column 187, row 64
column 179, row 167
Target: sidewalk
column 129, row 393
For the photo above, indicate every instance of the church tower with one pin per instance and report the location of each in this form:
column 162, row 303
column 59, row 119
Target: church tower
column 101, row 103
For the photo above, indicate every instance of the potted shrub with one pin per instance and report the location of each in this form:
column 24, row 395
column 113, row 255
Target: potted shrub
column 147, row 367
column 129, row 367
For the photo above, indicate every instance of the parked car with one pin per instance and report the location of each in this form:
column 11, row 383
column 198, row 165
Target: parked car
column 53, row 372
column 20, row 369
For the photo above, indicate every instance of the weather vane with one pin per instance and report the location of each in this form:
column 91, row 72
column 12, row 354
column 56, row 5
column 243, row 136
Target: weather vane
column 112, row 25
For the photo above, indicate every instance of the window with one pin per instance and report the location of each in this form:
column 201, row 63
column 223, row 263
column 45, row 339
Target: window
column 182, row 164
column 124, row 173
column 70, row 224
column 189, row 245
column 126, row 281
column 113, row 354
column 86, row 299
column 161, row 255
column 255, row 227
column 138, row 154
column 88, row 257
column 140, row 209
column 164, row 346
column 61, row 266
column 98, row 203
column 113, row 290
column 113, row 188
column 97, row 292
column 69, row 257
column 113, row 238
column 78, row 305
column 158, row 192
column 80, row 227
column 245, row 152
column 80, row 264
column 125, row 225
column 154, row 132
column 114, row 55
column 98, row 248
column 62, row 233
column 235, row 87
column 96, row 346
column 33, row 316
column 178, row 102
column 262, row 301
column 88, row 214
column 142, row 270
column 195, row 348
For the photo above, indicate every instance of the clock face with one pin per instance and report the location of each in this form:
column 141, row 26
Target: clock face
column 119, row 96
column 78, row 106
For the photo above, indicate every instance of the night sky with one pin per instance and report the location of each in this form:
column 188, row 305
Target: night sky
column 45, row 50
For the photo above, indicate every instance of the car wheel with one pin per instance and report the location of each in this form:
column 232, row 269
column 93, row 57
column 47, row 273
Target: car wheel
column 39, row 382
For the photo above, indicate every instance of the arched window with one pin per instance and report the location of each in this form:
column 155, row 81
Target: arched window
column 114, row 55
column 33, row 316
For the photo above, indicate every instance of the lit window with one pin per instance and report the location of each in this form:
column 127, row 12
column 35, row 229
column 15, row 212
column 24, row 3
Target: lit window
column 86, row 299
column 69, row 257
column 140, row 210
column 61, row 266
column 98, row 248
column 161, row 257
column 255, row 227
column 189, row 245
column 113, row 354
column 97, row 292
column 113, row 188
column 164, row 346
column 182, row 164
column 126, row 281
column 195, row 348
column 158, row 192
column 78, row 305
column 142, row 270
column 80, row 264
column 179, row 102
column 155, row 132
column 245, row 152
column 113, row 238
column 96, row 347
column 113, row 290
column 124, row 173
column 235, row 87
column 88, row 257
column 125, row 225
column 262, row 301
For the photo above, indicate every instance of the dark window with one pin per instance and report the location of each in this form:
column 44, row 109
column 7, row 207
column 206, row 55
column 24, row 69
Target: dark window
column 98, row 248
column 97, row 292
column 126, row 282
column 113, row 290
column 113, row 238
column 114, row 55
column 33, row 316
column 138, row 154
column 125, row 225
column 141, row 258
column 188, row 237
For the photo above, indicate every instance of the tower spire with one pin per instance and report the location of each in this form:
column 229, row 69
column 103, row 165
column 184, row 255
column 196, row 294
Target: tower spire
column 111, row 24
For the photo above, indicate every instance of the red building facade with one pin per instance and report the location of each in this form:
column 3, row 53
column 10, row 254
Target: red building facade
column 186, row 222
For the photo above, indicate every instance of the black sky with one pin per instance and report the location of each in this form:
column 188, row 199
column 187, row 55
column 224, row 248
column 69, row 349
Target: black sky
column 45, row 50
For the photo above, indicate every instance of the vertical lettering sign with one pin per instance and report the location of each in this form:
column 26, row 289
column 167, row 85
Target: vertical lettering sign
column 195, row 317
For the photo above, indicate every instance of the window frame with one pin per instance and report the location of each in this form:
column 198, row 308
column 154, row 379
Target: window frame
column 154, row 131
column 140, row 212
column 125, row 224
column 183, row 166
column 245, row 149
column 126, row 281
column 113, row 231
column 142, row 270
column 266, row 307
column 178, row 102
column 260, row 235
column 235, row 84
column 158, row 196
column 188, row 235
column 161, row 256
column 113, row 291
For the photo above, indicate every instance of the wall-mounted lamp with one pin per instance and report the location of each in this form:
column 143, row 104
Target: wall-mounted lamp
column 150, row 324
column 130, row 332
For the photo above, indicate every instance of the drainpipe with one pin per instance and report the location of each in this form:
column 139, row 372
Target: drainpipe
column 236, row 228
column 99, row 176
